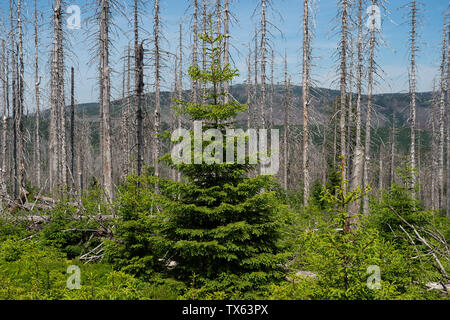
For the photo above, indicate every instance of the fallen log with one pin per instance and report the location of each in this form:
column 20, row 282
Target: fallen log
column 46, row 218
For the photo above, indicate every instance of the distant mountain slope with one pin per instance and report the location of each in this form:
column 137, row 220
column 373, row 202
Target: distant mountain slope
column 384, row 105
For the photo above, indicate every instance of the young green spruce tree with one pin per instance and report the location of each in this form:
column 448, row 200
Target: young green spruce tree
column 221, row 227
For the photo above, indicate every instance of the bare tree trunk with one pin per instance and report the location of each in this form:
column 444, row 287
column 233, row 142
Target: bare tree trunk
column 139, row 89
column 358, row 156
column 3, row 190
column 20, row 107
column 286, row 127
column 343, row 75
column 72, row 127
column 272, row 91
column 174, row 95
column 57, row 114
column 443, row 90
column 125, row 124
column 393, row 148
column 371, row 72
column 37, row 151
column 105, row 83
column 180, row 81
column 255, row 84
column 262, row 103
column 195, row 51
column 448, row 121
column 63, row 168
column 218, row 12
column 204, row 30
column 412, row 154
column 226, row 54
column 350, row 110
column 380, row 168
column 249, row 88
column 434, row 164
column 419, row 164
column 156, row 53
column 305, row 101
column 14, row 100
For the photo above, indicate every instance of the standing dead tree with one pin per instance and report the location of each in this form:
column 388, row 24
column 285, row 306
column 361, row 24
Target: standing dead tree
column 72, row 127
column 448, row 119
column 18, row 119
column 105, row 85
column 157, row 78
column 4, row 82
column 226, row 46
column 371, row 74
column 413, row 17
column 263, row 63
column 305, row 99
column 344, row 7
column 138, row 89
column 125, row 120
column 249, row 87
column 443, row 89
column 37, row 136
column 265, row 34
column 434, row 160
column 14, row 96
column 358, row 157
column 195, row 83
column 57, row 152
column 286, row 103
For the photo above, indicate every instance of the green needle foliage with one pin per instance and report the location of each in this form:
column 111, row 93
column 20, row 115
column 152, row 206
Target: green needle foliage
column 221, row 227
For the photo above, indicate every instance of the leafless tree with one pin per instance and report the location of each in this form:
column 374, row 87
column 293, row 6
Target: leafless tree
column 305, row 99
column 37, row 150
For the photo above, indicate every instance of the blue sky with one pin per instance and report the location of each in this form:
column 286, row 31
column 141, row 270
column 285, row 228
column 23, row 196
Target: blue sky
column 392, row 56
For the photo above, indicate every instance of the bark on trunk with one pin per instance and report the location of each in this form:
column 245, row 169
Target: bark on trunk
column 105, row 84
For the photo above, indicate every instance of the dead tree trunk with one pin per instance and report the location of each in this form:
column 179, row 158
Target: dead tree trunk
column 72, row 128
column 157, row 75
column 105, row 84
column 393, row 149
column 286, row 127
column 179, row 82
column 249, row 88
column 272, row 91
column 443, row 89
column 3, row 172
column 255, row 84
column 139, row 90
column 226, row 53
column 125, row 124
column 343, row 74
column 57, row 114
column 37, row 151
column 305, row 101
column 63, row 168
column 262, row 102
column 448, row 121
column 371, row 73
column 14, row 100
column 434, row 164
column 412, row 83
column 358, row 157
column 195, row 51
column 20, row 106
